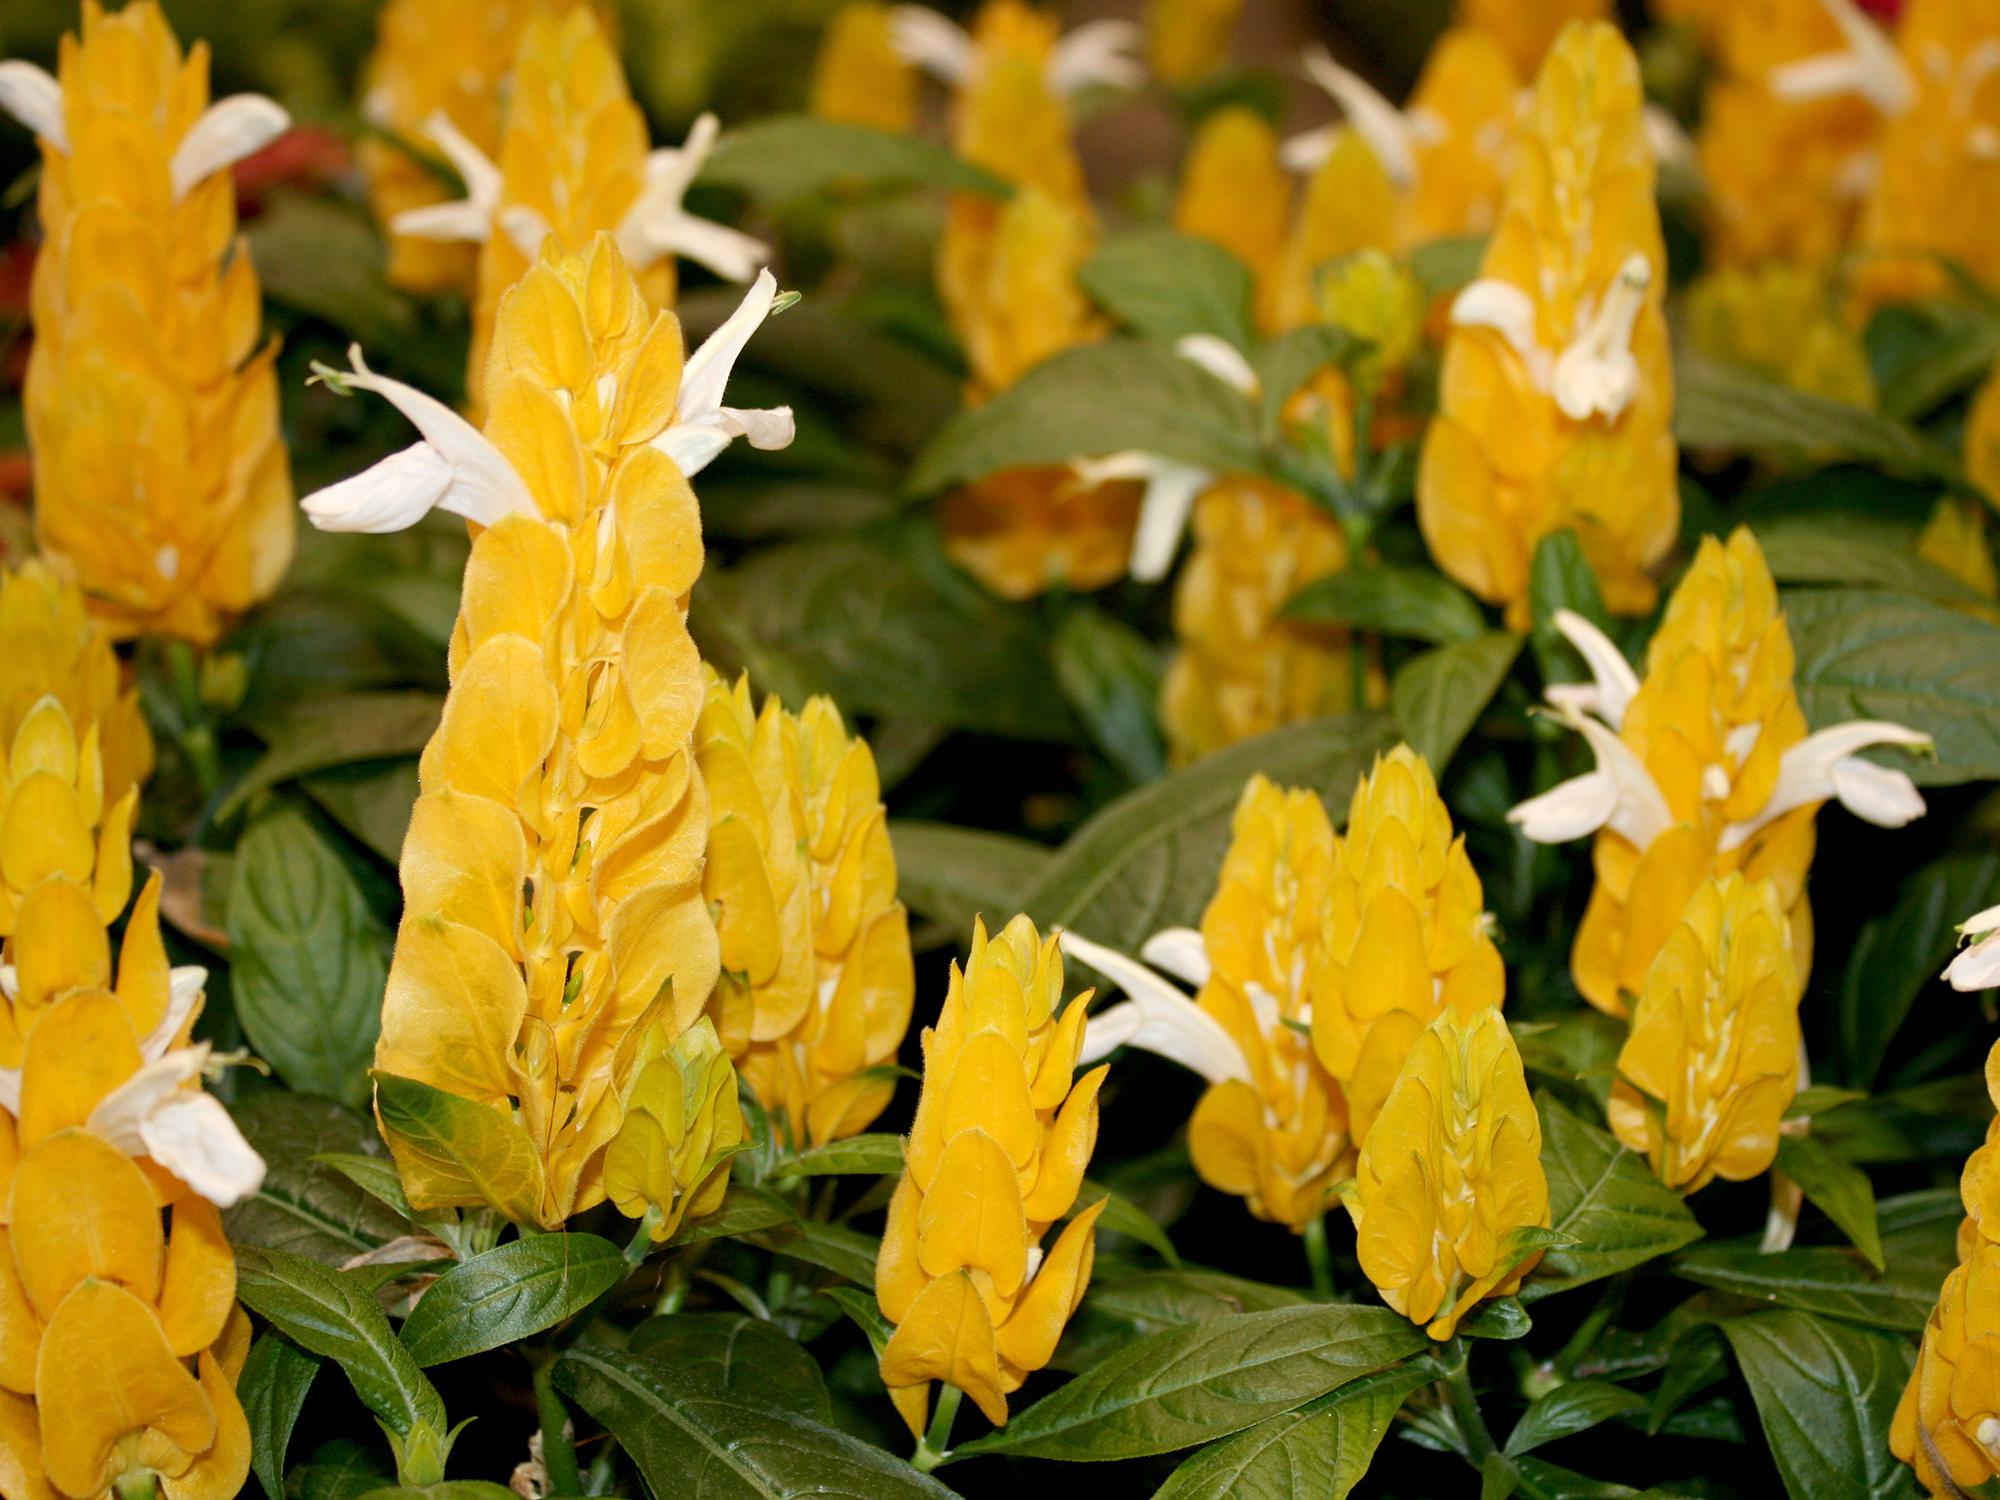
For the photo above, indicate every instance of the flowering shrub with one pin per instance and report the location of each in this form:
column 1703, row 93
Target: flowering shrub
column 1312, row 813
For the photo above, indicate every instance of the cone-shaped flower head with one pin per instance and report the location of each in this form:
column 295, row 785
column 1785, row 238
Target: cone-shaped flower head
column 73, row 747
column 816, row 981
column 1272, row 1127
column 555, row 939
column 1528, row 28
column 859, row 76
column 1557, row 387
column 1703, row 768
column 1186, row 40
column 1451, row 1175
column 1238, row 669
column 682, row 1124
column 1234, row 191
column 1407, row 934
column 1937, row 185
column 1712, row 1060
column 151, row 409
column 1782, row 321
column 449, row 58
column 994, row 1158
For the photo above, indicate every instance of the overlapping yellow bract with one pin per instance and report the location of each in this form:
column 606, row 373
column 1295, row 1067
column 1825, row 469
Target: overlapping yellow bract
column 1278, row 1139
column 151, row 408
column 817, row 981
column 1234, row 191
column 994, row 1158
column 1712, row 1061
column 858, row 76
column 1406, row 934
column 1186, row 40
column 432, row 56
column 1781, row 320
column 73, row 749
column 682, row 1124
column 1557, row 386
column 1450, row 1174
column 555, row 934
column 1528, row 28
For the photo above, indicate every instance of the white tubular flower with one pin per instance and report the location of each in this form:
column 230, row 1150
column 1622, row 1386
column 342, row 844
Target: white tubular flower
column 935, row 43
column 1171, row 490
column 1156, row 1018
column 469, row 218
column 1509, row 312
column 188, row 1132
column 1181, row 952
column 1620, row 795
column 1597, row 375
column 1977, row 967
column 1826, row 765
column 1095, row 53
column 702, row 425
column 656, row 225
column 1868, row 66
column 454, row 468
column 32, row 96
column 185, row 984
column 1220, row 358
column 229, row 130
column 1614, row 684
column 1389, row 133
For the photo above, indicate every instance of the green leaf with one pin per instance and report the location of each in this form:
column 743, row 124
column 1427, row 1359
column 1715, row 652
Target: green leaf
column 845, row 1252
column 790, row 156
column 1498, row 1318
column 304, row 1205
column 951, row 874
column 737, row 1356
column 1899, row 955
column 1098, row 399
column 371, row 800
column 1438, row 696
column 308, row 959
column 1154, row 1300
column 1854, row 550
column 1149, row 859
column 691, row 1443
column 877, row 1154
column 1321, row 1450
column 1719, row 405
column 474, row 1155
column 866, row 1314
column 1560, row 577
column 336, row 731
column 320, row 254
column 1111, row 676
column 338, row 1470
column 1837, row 1188
column 1924, row 353
column 1122, row 1216
column 1165, row 284
column 509, row 1294
column 1287, row 361
column 1826, row 1392
column 1192, row 1385
column 1449, row 264
column 374, row 1175
column 745, row 1210
column 1571, row 1408
column 1829, row 1279
column 276, row 1379
column 324, row 1312
column 1413, row 603
column 1615, row 1210
column 1936, row 1121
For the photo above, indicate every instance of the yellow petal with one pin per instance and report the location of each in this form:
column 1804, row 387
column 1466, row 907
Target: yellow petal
column 948, row 1335
column 82, row 1209
column 78, row 1052
column 198, row 1290
column 971, row 1215
column 452, row 1009
column 498, row 723
column 1066, row 1152
column 1028, row 1338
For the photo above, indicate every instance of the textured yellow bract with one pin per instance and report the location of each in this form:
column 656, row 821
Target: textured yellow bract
column 1186, row 40
column 1528, row 28
column 1279, row 1140
column 1450, row 1173
column 682, row 1124
column 858, row 76
column 1470, row 88
column 555, row 934
column 1349, row 205
column 432, row 56
column 994, row 1158
column 1937, row 187
column 151, row 409
column 1557, row 387
column 816, row 981
column 1234, row 191
column 1406, row 935
column 73, row 749
column 1781, row 320
column 1712, row 1061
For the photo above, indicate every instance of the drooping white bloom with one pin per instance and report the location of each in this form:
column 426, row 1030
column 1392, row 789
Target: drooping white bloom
column 1597, row 374
column 1620, row 794
column 656, row 225
column 935, row 43
column 1868, row 65
column 1172, row 487
column 1509, row 312
column 1977, row 966
column 1390, row 133
column 702, row 425
column 1156, row 1017
column 469, row 218
column 1613, row 683
column 32, row 96
column 1094, row 53
column 1826, row 765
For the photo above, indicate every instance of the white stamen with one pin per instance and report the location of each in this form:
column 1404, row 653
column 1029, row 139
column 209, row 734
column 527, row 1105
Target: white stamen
column 1374, row 118
column 1597, row 374
column 1157, row 1018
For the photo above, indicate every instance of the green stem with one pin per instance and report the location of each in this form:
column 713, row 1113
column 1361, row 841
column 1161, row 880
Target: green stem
column 140, row 1484
column 558, row 1450
column 1581, row 1342
column 1319, row 1257
column 1457, row 1389
column 602, row 1468
column 933, row 1450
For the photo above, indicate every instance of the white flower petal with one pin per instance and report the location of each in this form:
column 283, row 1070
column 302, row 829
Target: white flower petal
column 1569, row 810
column 392, row 495
column 1220, row 358
column 459, row 220
column 693, row 446
column 1620, row 795
column 1095, row 53
column 10, row 982
column 1975, row 968
column 1305, row 151
column 525, row 228
column 764, row 428
column 185, row 984
column 229, row 130
column 10, row 1090
column 120, row 1115
column 192, row 1136
column 1983, row 922
column 935, row 43
column 1171, row 489
column 1868, row 66
column 1877, row 794
column 32, row 96
column 1181, row 952
column 1670, row 145
column 469, row 218
column 709, row 367
column 1129, row 463
column 729, row 253
column 1597, row 374
column 1378, row 121
column 1614, row 683
column 1170, row 1024
column 1509, row 312
column 1820, row 767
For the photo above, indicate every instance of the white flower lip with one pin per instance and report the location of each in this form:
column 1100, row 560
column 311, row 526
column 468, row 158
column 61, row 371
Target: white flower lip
column 1868, row 66
column 32, row 96
column 1977, row 966
column 935, row 43
column 1597, row 376
column 1620, row 795
column 469, row 218
column 1508, row 311
column 1389, row 133
column 1156, row 1018
column 1095, row 53
column 229, row 130
column 1171, row 490
column 1613, row 683
column 656, row 225
column 702, row 426
column 1826, row 766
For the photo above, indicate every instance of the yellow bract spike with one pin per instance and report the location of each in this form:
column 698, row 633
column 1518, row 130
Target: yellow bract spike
column 859, row 77
column 1528, row 28
column 1234, row 191
column 1186, row 40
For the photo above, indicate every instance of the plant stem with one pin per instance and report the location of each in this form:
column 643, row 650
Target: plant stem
column 933, row 1451
column 598, row 1481
column 141, row 1484
column 558, row 1450
column 1457, row 1389
column 1319, row 1257
column 1581, row 1342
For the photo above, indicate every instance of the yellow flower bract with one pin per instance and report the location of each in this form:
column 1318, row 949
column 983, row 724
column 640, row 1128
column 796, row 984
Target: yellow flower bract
column 858, row 76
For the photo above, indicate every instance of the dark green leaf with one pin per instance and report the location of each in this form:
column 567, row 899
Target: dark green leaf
column 865, row 1312
column 1498, row 1318
column 1289, row 360
column 952, row 875
column 739, row 1357
column 1935, row 1121
column 744, row 1210
column 692, row 1443
column 845, row 1252
column 859, row 1155
column 374, row 1175
column 1122, row 1216
column 1560, row 577
column 304, row 1205
column 1192, row 1385
column 320, row 254
column 1570, row 1408
column 336, row 732
column 1854, row 550
column 308, row 959
column 1154, row 1300
column 1448, row 264
column 1165, row 284
column 1837, row 1188
column 1615, row 1210
column 324, row 1312
column 371, row 800
column 1828, row 1279
column 1438, row 696
column 1826, row 1392
column 1414, row 603
column 510, row 1293
column 1111, row 676
column 789, row 156
column 339, row 1470
column 1925, row 353
column 276, row 1379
